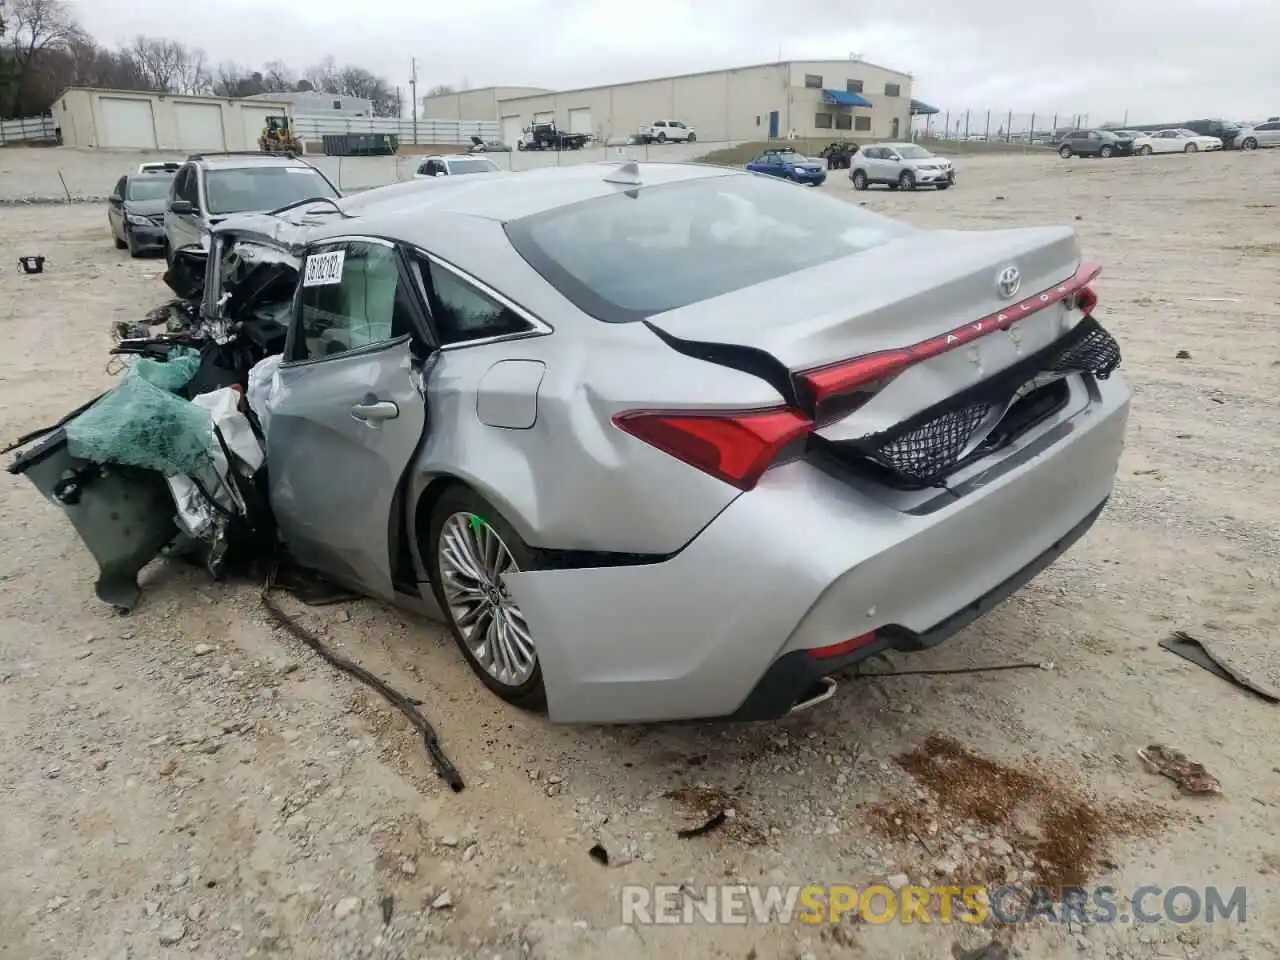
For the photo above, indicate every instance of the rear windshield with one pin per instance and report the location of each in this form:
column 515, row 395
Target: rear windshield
column 475, row 165
column 256, row 189
column 641, row 252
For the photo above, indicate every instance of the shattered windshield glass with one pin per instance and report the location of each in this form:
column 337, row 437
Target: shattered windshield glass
column 255, row 189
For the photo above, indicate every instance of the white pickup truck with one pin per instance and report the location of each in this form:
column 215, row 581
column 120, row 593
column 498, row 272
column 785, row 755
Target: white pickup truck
column 666, row 131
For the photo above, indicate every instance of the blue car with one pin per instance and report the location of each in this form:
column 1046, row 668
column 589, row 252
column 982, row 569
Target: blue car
column 789, row 165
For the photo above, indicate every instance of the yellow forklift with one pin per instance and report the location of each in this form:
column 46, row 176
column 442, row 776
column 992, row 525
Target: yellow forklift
column 277, row 137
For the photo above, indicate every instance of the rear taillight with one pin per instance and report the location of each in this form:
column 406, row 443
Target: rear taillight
column 734, row 447
column 1086, row 300
column 837, row 389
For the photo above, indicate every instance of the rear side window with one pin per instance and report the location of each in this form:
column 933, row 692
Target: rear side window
column 631, row 255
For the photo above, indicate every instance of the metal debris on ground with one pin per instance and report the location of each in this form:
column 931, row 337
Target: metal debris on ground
column 713, row 824
column 1191, row 777
column 1202, row 654
column 31, row 264
column 599, row 854
column 447, row 771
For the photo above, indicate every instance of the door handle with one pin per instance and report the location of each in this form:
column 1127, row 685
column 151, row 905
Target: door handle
column 375, row 410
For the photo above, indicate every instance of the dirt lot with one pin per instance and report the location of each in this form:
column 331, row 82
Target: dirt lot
column 189, row 781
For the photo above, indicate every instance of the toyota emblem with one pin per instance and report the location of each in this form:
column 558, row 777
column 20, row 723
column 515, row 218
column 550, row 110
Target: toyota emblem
column 1007, row 282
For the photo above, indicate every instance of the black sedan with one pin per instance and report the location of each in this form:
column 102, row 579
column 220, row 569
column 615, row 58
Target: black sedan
column 135, row 211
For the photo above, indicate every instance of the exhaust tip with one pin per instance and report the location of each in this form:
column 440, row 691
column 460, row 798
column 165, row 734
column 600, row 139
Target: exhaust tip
column 820, row 692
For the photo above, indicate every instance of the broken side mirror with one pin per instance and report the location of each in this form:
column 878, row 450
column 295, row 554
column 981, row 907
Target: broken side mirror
column 181, row 207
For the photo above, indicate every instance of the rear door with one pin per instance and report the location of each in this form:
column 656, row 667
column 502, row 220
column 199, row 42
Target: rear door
column 351, row 410
column 1268, row 134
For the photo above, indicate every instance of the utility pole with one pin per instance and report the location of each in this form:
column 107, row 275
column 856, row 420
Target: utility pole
column 413, row 92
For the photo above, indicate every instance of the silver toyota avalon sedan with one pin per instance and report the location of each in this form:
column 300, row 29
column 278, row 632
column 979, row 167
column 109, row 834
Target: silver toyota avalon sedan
column 673, row 441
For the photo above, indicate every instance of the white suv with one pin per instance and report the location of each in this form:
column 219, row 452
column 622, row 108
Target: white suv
column 662, row 131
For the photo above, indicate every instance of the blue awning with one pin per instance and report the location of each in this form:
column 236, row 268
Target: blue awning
column 843, row 98
column 919, row 107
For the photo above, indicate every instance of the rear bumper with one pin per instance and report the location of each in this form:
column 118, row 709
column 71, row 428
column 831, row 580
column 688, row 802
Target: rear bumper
column 806, row 561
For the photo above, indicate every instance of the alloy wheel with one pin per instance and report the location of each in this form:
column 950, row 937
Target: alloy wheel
column 473, row 560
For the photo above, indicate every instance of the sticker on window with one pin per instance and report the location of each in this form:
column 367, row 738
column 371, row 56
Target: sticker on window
column 323, row 269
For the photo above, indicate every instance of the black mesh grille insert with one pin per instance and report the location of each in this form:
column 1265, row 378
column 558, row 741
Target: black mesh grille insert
column 1096, row 352
column 922, row 450
column 922, row 453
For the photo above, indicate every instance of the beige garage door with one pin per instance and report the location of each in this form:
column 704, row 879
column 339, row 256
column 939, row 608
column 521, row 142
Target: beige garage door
column 511, row 130
column 126, row 123
column 200, row 126
column 580, row 120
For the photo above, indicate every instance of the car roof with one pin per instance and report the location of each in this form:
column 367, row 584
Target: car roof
column 225, row 161
column 892, row 144
column 397, row 210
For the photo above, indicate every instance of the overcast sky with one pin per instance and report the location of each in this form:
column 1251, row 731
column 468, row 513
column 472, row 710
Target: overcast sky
column 1160, row 61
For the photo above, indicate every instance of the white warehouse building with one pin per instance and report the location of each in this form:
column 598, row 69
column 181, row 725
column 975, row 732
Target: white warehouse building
column 820, row 98
column 319, row 103
column 132, row 120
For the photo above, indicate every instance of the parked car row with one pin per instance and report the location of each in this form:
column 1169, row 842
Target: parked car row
column 1144, row 143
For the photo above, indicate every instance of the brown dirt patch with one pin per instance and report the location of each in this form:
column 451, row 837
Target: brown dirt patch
column 1016, row 822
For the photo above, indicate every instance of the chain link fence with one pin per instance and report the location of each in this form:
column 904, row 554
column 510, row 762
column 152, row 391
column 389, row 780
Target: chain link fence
column 997, row 126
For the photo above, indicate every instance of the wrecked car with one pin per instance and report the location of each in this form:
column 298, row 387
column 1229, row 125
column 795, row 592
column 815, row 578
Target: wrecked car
column 562, row 413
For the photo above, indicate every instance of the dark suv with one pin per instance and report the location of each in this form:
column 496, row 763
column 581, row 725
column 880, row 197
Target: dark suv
column 1093, row 143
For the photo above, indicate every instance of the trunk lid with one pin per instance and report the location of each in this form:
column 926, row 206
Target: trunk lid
column 888, row 297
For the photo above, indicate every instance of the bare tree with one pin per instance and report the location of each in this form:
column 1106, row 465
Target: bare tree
column 159, row 61
column 439, row 90
column 278, row 77
column 323, row 76
column 36, row 28
column 193, row 75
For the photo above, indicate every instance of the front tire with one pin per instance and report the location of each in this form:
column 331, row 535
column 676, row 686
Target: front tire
column 1105, row 153
column 1190, row 148
column 1249, row 143
column 1064, row 152
column 859, row 180
column 470, row 547
column 168, row 252
column 120, row 244
column 907, row 181
column 132, row 245
column 693, row 138
column 1144, row 151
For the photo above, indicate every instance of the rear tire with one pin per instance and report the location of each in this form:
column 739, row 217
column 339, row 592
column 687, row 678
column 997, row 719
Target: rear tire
column 907, row 181
column 504, row 658
column 693, row 138
column 1105, row 153
column 168, row 252
column 859, row 180
column 1249, row 143
column 1144, row 151
column 1064, row 152
column 662, row 138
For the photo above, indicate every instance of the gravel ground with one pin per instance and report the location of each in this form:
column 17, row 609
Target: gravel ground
column 189, row 781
